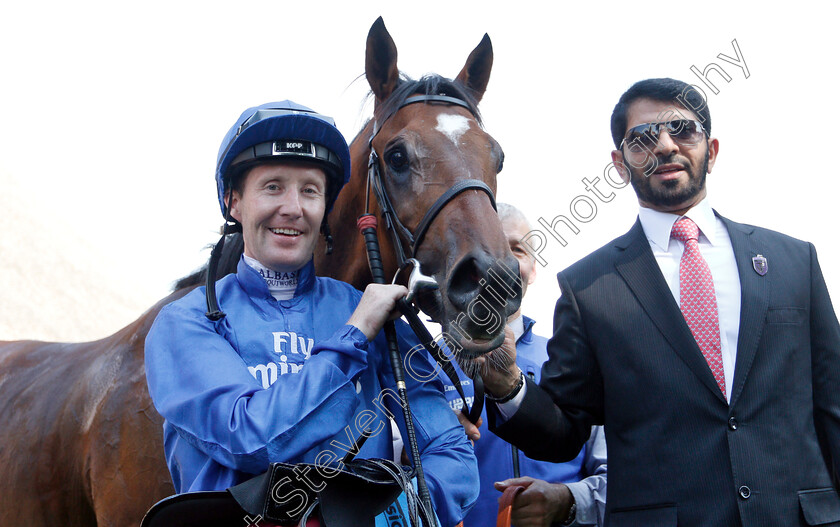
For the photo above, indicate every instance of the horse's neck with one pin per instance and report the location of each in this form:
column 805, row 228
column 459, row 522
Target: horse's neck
column 348, row 261
column 137, row 330
column 341, row 263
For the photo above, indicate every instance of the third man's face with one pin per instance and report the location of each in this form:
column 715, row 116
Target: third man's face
column 669, row 177
column 515, row 231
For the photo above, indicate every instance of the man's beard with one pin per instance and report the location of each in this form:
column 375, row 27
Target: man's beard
column 668, row 194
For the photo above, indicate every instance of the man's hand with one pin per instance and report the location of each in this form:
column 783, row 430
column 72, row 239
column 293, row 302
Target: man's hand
column 540, row 504
column 471, row 429
column 378, row 305
column 498, row 368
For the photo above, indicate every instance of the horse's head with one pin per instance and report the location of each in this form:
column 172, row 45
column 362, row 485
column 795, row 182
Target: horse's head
column 437, row 172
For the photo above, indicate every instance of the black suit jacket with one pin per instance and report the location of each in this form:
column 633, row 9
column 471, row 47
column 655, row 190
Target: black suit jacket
column 622, row 355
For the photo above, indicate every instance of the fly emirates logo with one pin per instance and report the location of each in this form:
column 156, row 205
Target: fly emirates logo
column 292, row 350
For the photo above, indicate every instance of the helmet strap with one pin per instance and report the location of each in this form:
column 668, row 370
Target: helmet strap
column 231, row 226
column 325, row 230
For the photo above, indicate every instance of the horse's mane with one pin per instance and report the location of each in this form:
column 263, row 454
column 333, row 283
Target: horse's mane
column 430, row 84
column 227, row 264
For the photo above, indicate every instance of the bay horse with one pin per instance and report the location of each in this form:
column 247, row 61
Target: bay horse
column 425, row 149
column 81, row 443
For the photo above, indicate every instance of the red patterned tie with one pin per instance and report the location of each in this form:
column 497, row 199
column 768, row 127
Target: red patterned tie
column 697, row 298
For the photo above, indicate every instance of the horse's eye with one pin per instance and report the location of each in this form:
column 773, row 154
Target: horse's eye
column 501, row 163
column 397, row 159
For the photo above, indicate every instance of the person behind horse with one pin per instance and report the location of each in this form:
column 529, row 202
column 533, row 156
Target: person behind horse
column 551, row 488
column 297, row 367
column 710, row 349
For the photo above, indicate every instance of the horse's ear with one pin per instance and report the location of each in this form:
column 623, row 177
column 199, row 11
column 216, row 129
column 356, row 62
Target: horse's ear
column 476, row 72
column 381, row 61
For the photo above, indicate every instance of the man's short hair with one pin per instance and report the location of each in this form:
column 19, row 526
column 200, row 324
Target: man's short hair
column 665, row 90
column 507, row 211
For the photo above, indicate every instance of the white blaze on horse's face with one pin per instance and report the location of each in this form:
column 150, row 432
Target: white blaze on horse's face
column 452, row 126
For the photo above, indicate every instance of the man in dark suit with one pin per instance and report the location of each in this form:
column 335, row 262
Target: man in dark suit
column 708, row 348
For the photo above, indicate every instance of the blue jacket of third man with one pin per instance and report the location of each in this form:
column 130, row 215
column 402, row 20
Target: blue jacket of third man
column 495, row 456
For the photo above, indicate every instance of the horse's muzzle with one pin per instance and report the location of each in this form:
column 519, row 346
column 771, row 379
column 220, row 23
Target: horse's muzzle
column 483, row 291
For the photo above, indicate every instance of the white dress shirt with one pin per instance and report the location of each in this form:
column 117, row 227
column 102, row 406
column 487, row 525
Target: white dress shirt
column 716, row 249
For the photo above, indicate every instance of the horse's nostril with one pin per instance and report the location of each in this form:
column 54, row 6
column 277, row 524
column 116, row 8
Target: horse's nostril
column 464, row 282
column 473, row 277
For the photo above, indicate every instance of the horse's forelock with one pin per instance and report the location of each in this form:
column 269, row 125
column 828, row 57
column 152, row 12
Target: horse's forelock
column 432, row 84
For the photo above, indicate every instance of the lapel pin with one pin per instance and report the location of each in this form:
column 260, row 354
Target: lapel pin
column 760, row 264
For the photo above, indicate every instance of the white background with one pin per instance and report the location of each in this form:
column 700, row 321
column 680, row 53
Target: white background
column 111, row 115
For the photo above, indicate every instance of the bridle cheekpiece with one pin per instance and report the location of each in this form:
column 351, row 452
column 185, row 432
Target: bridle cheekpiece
column 397, row 230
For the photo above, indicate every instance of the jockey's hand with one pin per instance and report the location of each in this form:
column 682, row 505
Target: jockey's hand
column 540, row 504
column 377, row 306
column 471, row 429
column 498, row 368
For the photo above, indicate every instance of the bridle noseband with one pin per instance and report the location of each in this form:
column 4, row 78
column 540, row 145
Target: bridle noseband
column 396, row 229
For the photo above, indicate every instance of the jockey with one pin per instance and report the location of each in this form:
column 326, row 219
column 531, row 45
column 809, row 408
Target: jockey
column 289, row 366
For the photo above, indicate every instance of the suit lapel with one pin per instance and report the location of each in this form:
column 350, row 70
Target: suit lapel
column 637, row 266
column 755, row 298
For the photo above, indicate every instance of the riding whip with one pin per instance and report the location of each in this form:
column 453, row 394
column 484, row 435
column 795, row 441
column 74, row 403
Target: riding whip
column 367, row 226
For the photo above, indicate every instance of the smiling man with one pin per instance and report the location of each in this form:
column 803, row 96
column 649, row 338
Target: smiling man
column 282, row 242
column 291, row 367
column 709, row 349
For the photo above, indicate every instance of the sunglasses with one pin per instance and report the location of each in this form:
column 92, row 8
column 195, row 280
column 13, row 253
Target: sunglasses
column 645, row 136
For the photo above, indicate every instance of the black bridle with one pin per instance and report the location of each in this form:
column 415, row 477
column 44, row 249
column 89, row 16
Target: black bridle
column 397, row 232
column 396, row 229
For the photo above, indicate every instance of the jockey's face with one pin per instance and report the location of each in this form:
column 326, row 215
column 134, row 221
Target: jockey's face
column 280, row 207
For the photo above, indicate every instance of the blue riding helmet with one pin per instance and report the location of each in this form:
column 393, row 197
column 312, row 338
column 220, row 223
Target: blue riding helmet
column 278, row 130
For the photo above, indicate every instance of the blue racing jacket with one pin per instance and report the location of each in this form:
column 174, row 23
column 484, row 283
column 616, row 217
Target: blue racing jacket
column 290, row 381
column 495, row 456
